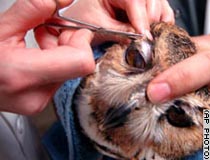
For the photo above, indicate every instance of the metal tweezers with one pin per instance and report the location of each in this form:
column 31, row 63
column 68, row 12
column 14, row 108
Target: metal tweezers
column 83, row 25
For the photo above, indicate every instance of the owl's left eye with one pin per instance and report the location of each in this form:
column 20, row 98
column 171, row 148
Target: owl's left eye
column 134, row 58
column 178, row 118
column 139, row 54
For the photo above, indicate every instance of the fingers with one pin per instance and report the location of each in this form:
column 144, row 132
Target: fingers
column 160, row 11
column 47, row 36
column 77, row 39
column 202, row 43
column 167, row 14
column 45, row 39
column 34, row 67
column 136, row 11
column 24, row 15
column 153, row 11
column 187, row 76
column 142, row 13
column 137, row 15
column 73, row 59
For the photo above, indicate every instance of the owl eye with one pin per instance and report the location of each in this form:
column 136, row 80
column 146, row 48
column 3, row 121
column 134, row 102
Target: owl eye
column 178, row 118
column 134, row 58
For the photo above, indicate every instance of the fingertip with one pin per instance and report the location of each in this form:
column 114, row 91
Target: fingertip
column 148, row 34
column 158, row 92
column 137, row 15
column 168, row 18
column 88, row 65
column 168, row 13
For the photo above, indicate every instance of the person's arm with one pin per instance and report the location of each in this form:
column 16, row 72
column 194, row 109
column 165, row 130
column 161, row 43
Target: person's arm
column 186, row 76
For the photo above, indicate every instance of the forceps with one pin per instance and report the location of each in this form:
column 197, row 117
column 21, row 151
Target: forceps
column 83, row 25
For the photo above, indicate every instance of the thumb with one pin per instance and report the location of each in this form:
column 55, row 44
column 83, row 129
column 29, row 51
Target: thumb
column 25, row 15
column 182, row 78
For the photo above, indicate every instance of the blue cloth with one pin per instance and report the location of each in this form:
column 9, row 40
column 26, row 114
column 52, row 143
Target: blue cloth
column 55, row 141
column 79, row 147
column 196, row 156
column 65, row 141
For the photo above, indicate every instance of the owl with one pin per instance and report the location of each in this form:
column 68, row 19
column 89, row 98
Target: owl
column 115, row 113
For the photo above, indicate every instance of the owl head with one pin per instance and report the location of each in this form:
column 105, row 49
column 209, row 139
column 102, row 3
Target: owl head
column 115, row 113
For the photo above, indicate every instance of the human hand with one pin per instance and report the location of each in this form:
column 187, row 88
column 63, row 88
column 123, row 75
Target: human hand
column 29, row 77
column 184, row 77
column 122, row 15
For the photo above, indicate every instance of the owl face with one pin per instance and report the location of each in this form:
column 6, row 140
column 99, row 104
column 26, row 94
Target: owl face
column 115, row 113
